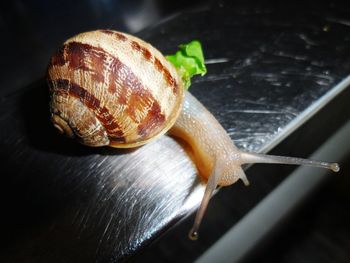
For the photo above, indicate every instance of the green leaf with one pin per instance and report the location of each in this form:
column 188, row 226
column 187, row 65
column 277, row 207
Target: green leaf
column 189, row 61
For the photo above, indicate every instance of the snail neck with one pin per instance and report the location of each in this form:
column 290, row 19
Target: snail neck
column 207, row 139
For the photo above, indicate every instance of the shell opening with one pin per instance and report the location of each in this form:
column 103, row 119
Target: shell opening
column 62, row 126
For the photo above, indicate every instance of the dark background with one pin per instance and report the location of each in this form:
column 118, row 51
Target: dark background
column 32, row 30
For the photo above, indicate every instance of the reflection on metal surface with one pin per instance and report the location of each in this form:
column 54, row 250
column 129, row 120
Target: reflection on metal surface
column 137, row 194
column 216, row 60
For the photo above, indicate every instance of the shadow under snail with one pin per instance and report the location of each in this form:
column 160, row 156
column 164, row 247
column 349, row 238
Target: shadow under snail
column 111, row 88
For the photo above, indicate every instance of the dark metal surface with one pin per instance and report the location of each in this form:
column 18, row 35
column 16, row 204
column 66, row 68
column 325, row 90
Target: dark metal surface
column 269, row 71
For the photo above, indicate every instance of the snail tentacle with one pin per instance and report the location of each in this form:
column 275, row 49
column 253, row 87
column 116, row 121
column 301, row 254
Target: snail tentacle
column 248, row 157
column 209, row 190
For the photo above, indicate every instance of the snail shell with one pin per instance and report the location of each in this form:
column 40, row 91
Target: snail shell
column 111, row 88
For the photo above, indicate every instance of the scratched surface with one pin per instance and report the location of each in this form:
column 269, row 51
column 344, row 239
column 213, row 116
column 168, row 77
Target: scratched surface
column 68, row 203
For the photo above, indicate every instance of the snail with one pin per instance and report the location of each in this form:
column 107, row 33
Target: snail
column 109, row 88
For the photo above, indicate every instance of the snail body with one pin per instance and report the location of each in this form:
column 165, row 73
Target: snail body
column 112, row 89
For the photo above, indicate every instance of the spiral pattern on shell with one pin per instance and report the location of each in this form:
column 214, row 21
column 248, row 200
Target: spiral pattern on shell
column 111, row 88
